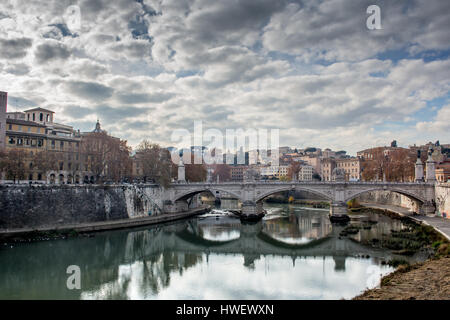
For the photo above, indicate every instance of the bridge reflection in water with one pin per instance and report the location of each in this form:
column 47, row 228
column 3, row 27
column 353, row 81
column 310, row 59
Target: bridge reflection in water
column 294, row 254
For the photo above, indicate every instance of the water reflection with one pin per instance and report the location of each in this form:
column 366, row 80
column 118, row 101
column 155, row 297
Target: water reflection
column 292, row 254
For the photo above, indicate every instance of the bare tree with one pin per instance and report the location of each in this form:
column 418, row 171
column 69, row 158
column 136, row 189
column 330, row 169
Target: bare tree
column 14, row 164
column 397, row 165
column 155, row 162
column 195, row 172
column 294, row 170
column 106, row 157
column 222, row 171
column 46, row 160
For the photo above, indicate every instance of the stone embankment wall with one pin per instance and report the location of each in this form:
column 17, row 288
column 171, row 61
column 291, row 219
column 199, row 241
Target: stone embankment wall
column 44, row 205
column 387, row 197
column 443, row 199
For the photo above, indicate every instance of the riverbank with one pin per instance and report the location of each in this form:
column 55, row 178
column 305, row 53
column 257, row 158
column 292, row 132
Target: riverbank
column 440, row 224
column 63, row 231
column 429, row 280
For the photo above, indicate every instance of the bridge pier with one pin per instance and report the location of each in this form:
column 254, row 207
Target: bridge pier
column 252, row 210
column 175, row 207
column 428, row 208
column 338, row 211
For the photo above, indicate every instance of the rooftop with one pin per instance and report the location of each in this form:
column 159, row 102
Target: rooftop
column 38, row 109
column 24, row 122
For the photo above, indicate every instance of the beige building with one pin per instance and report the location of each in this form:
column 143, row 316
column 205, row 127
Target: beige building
column 312, row 160
column 38, row 133
column 306, row 173
column 274, row 171
column 328, row 165
column 352, row 168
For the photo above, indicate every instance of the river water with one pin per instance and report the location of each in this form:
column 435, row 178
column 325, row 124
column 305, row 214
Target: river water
column 293, row 253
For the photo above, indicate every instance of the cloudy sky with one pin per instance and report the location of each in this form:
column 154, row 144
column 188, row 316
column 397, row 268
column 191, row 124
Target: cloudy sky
column 310, row 68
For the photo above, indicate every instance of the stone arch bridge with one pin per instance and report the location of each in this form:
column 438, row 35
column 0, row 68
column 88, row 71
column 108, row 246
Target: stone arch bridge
column 178, row 196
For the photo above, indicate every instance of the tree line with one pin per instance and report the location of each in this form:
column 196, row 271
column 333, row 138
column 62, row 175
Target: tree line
column 107, row 158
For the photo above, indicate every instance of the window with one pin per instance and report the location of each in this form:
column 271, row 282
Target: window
column 29, row 129
column 31, row 165
column 28, row 117
column 12, row 141
column 19, row 141
column 41, row 116
column 61, row 166
column 34, row 117
column 53, row 144
column 38, row 130
column 10, row 127
column 61, row 144
column 40, row 143
column 27, row 142
column 48, row 118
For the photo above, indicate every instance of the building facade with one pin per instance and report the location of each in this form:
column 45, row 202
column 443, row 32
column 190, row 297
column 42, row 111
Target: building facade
column 351, row 167
column 328, row 166
column 237, row 172
column 443, row 172
column 60, row 162
column 3, row 106
column 306, row 173
column 274, row 171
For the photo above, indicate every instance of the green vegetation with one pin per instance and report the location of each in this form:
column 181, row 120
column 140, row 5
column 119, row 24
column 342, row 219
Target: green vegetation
column 413, row 238
column 353, row 204
column 398, row 262
column 350, row 230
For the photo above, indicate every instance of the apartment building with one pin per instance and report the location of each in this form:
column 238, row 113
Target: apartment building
column 34, row 131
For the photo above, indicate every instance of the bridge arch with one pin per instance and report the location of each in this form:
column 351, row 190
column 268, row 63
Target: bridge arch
column 190, row 193
column 296, row 188
column 406, row 193
column 261, row 236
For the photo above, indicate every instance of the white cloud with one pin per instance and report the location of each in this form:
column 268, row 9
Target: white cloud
column 233, row 64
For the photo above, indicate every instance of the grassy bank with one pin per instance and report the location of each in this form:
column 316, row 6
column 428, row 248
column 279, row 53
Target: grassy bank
column 425, row 280
column 429, row 280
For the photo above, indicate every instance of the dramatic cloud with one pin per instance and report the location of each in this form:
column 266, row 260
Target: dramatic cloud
column 14, row 48
column 89, row 90
column 51, row 51
column 309, row 68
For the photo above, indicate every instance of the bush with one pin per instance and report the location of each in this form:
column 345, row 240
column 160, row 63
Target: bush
column 353, row 204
